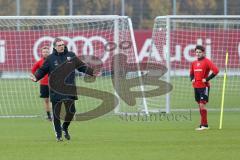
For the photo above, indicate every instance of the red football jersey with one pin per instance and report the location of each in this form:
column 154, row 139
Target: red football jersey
column 38, row 64
column 200, row 70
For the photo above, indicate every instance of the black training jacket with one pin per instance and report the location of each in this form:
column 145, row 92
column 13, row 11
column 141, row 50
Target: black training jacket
column 56, row 64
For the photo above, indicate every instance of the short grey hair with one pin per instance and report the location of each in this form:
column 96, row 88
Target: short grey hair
column 56, row 40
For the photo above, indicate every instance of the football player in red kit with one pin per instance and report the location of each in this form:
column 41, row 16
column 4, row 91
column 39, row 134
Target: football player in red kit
column 44, row 89
column 200, row 77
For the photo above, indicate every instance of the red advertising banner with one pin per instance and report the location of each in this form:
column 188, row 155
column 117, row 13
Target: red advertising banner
column 20, row 49
column 216, row 42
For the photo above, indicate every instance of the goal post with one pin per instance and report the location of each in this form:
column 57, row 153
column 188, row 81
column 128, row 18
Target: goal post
column 142, row 106
column 174, row 39
column 21, row 38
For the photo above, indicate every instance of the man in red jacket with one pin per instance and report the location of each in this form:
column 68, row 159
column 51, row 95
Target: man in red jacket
column 199, row 74
column 44, row 89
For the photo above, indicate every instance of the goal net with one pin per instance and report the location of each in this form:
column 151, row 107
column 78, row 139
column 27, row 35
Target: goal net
column 174, row 39
column 21, row 39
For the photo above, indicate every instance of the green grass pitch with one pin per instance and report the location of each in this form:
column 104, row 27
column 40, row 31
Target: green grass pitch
column 116, row 138
column 110, row 138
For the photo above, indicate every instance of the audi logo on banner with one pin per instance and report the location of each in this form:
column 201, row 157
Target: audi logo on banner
column 87, row 47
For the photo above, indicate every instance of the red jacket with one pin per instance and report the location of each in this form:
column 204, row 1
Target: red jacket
column 38, row 64
column 200, row 70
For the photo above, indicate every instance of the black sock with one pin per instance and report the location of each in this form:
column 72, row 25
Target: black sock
column 48, row 114
column 65, row 125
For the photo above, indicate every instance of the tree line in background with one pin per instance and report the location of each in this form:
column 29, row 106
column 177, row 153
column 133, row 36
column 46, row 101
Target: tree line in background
column 142, row 12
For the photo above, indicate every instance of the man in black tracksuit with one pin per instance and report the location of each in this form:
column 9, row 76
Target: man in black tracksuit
column 61, row 56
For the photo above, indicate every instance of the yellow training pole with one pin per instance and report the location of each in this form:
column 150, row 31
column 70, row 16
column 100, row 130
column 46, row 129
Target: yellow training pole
column 223, row 90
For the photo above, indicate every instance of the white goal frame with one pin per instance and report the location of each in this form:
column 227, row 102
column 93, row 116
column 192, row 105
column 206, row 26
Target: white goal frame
column 70, row 18
column 168, row 19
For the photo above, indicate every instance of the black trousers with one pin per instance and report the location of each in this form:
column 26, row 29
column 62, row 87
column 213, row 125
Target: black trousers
column 62, row 110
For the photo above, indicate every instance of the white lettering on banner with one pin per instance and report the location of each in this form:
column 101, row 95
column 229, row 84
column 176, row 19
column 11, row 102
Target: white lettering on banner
column 208, row 48
column 146, row 51
column 2, row 51
column 88, row 48
column 190, row 47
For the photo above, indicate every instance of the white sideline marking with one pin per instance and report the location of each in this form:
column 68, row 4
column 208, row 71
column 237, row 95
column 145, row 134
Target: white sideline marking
column 21, row 116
